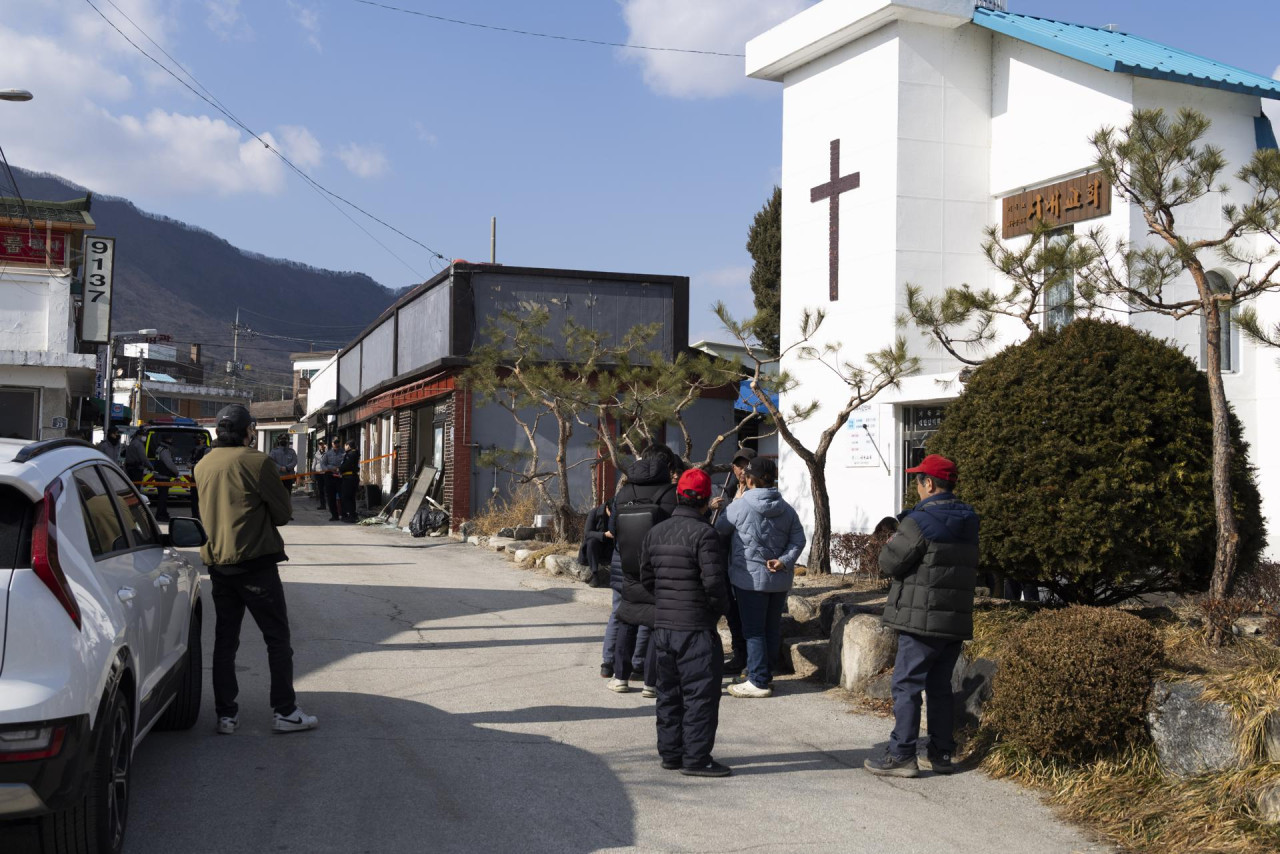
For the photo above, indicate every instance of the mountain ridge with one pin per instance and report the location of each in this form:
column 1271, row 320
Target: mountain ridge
column 187, row 281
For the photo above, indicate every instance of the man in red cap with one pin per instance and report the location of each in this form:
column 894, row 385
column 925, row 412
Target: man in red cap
column 683, row 567
column 933, row 561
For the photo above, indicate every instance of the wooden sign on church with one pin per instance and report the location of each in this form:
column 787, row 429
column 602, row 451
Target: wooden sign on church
column 1063, row 203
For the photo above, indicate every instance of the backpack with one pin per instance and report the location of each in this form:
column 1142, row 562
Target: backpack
column 632, row 521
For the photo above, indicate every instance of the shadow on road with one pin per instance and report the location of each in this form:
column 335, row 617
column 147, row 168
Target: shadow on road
column 380, row 775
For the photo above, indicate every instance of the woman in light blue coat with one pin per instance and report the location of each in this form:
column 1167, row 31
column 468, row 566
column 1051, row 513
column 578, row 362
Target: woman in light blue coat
column 765, row 541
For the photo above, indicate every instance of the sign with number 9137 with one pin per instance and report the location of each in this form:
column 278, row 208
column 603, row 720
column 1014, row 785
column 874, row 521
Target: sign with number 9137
column 99, row 268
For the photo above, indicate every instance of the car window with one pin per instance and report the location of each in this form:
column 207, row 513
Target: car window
column 141, row 526
column 101, row 522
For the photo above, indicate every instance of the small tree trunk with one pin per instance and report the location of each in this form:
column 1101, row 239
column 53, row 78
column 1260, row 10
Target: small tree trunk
column 820, row 545
column 1227, row 550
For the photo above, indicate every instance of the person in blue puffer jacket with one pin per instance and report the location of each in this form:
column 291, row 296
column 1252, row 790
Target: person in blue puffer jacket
column 765, row 541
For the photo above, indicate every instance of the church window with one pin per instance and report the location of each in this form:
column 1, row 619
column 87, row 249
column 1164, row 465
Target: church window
column 1226, row 361
column 1059, row 285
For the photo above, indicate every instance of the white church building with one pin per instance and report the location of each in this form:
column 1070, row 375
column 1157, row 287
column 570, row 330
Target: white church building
column 909, row 127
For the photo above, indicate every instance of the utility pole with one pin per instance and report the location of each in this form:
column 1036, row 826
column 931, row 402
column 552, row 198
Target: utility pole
column 493, row 240
column 235, row 351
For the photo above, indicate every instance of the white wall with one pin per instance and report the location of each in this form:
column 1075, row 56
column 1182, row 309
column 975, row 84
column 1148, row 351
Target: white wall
column 324, row 386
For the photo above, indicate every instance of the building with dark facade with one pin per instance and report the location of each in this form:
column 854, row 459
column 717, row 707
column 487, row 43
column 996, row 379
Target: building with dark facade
column 398, row 384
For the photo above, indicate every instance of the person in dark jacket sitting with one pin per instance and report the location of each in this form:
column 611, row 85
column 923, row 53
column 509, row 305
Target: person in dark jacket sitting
column 683, row 569
column 651, row 487
column 933, row 561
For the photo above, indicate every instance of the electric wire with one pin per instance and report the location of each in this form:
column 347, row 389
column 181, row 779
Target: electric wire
column 545, row 35
column 324, row 191
column 306, row 323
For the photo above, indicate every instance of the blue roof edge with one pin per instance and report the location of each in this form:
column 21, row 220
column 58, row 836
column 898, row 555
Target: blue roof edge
column 1008, row 23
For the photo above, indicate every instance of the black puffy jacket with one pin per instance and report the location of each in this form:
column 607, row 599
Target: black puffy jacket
column 933, row 561
column 647, row 480
column 682, row 566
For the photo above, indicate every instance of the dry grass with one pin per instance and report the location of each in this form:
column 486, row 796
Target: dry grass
column 1130, row 800
column 1245, row 676
column 513, row 511
column 992, row 625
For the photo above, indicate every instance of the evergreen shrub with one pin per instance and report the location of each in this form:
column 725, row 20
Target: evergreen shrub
column 1073, row 684
column 1086, row 452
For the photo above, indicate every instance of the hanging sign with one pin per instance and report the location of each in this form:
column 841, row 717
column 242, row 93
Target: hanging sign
column 25, row 246
column 1062, row 203
column 864, row 434
column 99, row 270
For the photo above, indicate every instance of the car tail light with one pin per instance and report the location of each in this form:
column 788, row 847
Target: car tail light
column 44, row 552
column 23, row 744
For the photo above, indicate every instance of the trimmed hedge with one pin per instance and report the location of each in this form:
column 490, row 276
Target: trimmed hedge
column 1087, row 453
column 1073, row 684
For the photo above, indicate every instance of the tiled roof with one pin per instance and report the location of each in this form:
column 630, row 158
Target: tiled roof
column 75, row 211
column 1128, row 54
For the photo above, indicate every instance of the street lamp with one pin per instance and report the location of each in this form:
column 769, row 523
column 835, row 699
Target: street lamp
column 111, row 372
column 15, row 95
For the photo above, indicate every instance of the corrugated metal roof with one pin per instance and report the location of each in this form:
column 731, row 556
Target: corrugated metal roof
column 1128, row 54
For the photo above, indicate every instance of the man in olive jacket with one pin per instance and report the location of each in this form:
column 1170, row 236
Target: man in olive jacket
column 243, row 503
column 933, row 561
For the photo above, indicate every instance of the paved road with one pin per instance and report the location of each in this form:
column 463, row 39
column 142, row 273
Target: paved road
column 461, row 710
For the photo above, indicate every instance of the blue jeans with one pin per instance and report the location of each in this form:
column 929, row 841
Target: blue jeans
column 611, row 638
column 923, row 664
column 761, row 615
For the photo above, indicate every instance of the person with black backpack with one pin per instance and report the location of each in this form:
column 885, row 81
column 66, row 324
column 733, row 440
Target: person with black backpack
column 647, row 498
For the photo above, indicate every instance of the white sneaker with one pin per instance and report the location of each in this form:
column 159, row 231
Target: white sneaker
column 296, row 722
column 649, row 692
column 226, row 726
column 619, row 686
column 749, row 689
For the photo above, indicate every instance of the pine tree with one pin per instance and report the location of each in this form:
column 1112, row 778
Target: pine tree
column 764, row 242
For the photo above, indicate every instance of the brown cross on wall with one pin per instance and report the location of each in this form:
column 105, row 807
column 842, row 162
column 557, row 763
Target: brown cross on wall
column 832, row 190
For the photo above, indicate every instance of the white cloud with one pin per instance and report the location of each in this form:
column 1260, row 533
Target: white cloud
column 424, row 135
column 226, row 19
column 308, row 17
column 300, row 146
column 718, row 25
column 367, row 161
column 81, row 125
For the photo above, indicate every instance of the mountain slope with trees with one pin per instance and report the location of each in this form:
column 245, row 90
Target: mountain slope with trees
column 187, row 282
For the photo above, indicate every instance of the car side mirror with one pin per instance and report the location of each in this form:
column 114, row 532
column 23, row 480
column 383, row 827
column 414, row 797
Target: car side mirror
column 185, row 533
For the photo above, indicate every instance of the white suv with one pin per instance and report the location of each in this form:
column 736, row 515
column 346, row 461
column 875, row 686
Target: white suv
column 99, row 642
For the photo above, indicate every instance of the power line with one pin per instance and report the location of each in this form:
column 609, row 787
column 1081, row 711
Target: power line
column 14, row 181
column 545, row 35
column 304, row 322
column 325, row 192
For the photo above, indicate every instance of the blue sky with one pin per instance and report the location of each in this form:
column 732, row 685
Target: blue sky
column 590, row 157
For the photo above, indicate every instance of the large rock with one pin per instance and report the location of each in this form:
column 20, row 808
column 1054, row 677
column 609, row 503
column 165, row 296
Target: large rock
column 1272, row 742
column 860, row 648
column 1191, row 735
column 510, row 533
column 801, row 608
column 792, row 628
column 1269, row 805
column 808, row 657
column 567, row 565
column 499, row 543
column 521, row 555
column 526, row 532
column 973, row 690
column 477, row 540
column 833, row 608
column 880, row 687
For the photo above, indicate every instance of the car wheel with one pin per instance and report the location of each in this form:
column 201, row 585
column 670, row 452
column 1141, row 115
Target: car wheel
column 97, row 824
column 184, row 711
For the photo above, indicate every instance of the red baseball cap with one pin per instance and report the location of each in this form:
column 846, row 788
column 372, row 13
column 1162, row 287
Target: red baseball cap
column 936, row 465
column 695, row 483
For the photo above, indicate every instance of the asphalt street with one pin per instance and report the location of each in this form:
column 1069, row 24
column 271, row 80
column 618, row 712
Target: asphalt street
column 461, row 709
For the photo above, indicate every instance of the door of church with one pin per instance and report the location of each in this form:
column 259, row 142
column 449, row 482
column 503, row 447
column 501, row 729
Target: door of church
column 919, row 423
